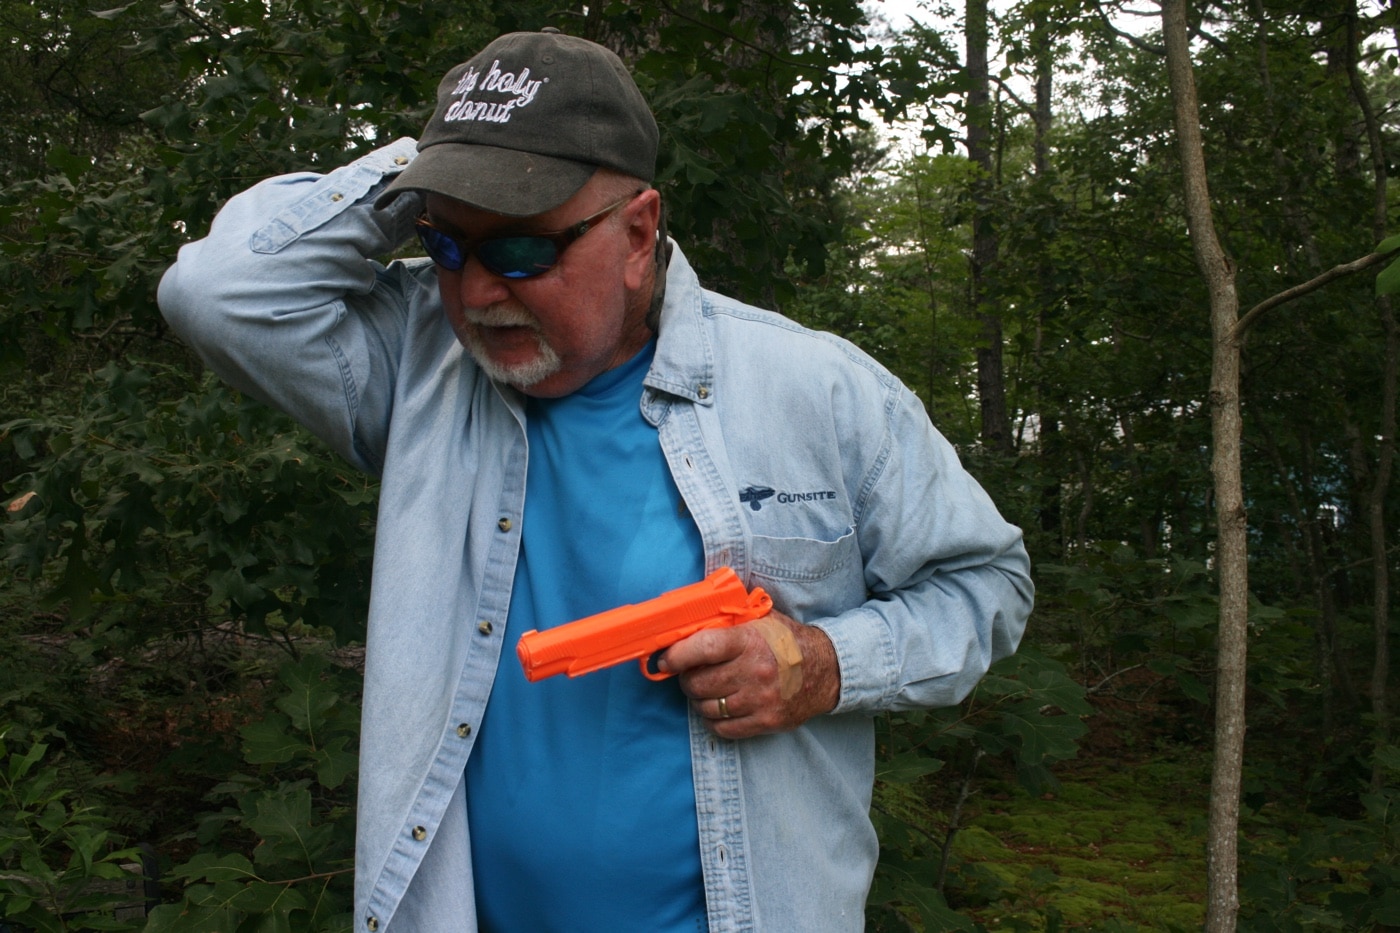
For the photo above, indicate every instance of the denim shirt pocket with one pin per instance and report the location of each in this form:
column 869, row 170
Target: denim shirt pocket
column 328, row 197
column 807, row 576
column 802, row 560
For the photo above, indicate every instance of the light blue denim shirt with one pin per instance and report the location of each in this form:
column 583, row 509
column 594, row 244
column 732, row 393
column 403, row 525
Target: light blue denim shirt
column 807, row 467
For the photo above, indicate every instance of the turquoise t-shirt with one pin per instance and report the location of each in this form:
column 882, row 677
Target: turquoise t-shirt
column 579, row 790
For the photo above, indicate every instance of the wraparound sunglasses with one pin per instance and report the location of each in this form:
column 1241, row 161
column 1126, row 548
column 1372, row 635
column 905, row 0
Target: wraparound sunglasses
column 513, row 257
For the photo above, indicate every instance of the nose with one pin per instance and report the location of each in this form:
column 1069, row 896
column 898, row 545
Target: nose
column 478, row 287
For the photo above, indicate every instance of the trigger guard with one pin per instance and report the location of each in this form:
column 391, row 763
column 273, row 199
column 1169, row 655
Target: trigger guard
column 648, row 673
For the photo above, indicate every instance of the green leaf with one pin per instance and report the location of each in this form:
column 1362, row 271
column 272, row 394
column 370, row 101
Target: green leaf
column 1192, row 687
column 334, row 763
column 265, row 897
column 189, row 918
column 289, row 831
column 907, row 768
column 271, row 741
column 1043, row 738
column 215, row 868
column 935, row 912
column 308, row 698
column 72, row 166
column 1388, row 281
column 112, row 13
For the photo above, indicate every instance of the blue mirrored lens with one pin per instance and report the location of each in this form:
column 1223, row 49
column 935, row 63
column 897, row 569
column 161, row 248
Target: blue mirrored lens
column 441, row 248
column 517, row 257
column 513, row 257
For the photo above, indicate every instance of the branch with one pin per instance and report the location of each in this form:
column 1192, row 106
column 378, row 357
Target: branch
column 740, row 41
column 204, row 26
column 1131, row 39
column 1312, row 285
column 1104, row 683
column 1198, row 31
column 1006, row 89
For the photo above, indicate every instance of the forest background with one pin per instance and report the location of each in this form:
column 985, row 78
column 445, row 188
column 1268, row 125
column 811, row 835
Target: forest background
column 184, row 573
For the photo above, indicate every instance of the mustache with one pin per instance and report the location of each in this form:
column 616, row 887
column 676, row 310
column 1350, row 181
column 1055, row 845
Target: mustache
column 501, row 314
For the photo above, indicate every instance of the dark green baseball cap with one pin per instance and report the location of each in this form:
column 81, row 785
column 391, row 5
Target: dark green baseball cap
column 526, row 122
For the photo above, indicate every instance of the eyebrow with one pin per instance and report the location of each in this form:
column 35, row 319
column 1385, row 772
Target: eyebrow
column 447, row 226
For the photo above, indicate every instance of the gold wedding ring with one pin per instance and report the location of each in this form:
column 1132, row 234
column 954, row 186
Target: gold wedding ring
column 723, row 707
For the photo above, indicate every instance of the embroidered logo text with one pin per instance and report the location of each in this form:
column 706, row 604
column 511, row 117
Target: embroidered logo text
column 518, row 89
column 755, row 496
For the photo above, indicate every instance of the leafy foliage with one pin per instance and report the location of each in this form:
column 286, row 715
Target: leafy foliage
column 138, row 507
column 1333, row 873
column 297, row 809
column 1026, row 710
column 168, row 545
column 55, row 851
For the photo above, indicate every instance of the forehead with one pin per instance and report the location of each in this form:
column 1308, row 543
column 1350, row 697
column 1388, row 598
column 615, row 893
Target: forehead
column 473, row 221
column 452, row 214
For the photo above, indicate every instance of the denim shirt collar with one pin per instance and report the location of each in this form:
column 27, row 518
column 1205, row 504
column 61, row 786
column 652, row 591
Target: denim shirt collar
column 685, row 359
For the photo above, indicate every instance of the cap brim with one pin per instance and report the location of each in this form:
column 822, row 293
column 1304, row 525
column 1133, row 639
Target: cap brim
column 501, row 181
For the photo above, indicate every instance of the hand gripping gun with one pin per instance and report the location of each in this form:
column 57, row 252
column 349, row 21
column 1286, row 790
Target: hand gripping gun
column 639, row 630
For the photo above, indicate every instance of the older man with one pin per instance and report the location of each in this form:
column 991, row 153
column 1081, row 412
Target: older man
column 564, row 421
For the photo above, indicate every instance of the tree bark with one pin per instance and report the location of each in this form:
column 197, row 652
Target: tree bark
column 1049, row 398
column 991, row 380
column 1231, row 556
column 1385, row 453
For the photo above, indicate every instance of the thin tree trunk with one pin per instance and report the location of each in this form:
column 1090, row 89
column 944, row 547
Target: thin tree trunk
column 1385, row 454
column 1050, row 398
column 1222, row 850
column 929, row 281
column 991, row 380
column 1380, row 619
column 1305, row 518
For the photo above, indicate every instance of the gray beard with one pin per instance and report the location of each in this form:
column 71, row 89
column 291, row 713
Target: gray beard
column 521, row 375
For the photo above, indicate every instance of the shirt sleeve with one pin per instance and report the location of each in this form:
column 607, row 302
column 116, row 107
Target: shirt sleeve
column 284, row 300
column 948, row 579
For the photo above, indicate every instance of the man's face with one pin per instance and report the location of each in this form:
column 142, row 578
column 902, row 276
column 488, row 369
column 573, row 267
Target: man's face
column 550, row 334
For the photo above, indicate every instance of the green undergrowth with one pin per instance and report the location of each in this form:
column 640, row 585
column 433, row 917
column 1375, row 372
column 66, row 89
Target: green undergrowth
column 1118, row 846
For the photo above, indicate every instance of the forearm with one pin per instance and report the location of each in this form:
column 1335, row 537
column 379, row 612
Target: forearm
column 927, row 644
column 266, row 298
column 947, row 579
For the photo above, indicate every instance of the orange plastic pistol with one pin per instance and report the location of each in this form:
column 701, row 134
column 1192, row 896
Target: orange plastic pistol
column 640, row 630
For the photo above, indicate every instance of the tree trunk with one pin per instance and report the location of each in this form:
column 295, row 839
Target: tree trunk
column 1050, row 398
column 991, row 381
column 929, row 281
column 1231, row 555
column 1380, row 597
column 1385, row 454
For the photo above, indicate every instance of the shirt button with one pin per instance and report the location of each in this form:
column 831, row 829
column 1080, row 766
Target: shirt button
column 337, row 197
column 504, row 524
column 703, row 391
column 419, row 833
column 484, row 627
column 463, row 730
column 401, row 160
column 372, row 923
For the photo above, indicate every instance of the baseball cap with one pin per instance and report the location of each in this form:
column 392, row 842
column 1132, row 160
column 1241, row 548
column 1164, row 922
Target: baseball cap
column 524, row 124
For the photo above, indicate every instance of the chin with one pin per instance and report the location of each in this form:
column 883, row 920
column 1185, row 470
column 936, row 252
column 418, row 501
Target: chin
column 523, row 375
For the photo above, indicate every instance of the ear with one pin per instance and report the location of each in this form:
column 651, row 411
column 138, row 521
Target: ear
column 642, row 217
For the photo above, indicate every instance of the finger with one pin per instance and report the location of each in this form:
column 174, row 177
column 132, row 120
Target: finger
column 737, row 724
column 705, row 648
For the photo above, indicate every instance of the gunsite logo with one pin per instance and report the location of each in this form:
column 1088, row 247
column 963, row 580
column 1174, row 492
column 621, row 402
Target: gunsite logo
column 755, row 496
column 518, row 89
